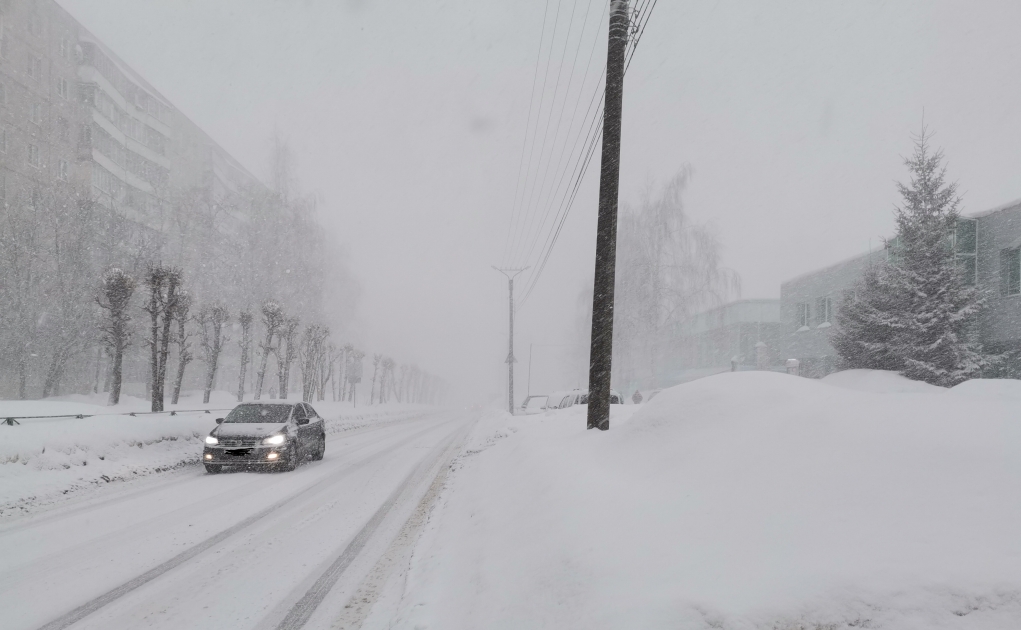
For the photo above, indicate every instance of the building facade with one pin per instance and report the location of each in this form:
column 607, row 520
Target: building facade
column 72, row 111
column 987, row 246
column 742, row 335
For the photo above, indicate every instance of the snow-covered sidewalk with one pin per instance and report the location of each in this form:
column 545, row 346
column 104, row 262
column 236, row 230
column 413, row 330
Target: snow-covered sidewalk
column 743, row 500
column 45, row 459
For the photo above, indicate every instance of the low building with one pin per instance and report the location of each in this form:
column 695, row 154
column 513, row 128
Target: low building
column 741, row 335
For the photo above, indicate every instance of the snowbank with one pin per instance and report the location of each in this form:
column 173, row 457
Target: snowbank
column 879, row 382
column 43, row 459
column 743, row 500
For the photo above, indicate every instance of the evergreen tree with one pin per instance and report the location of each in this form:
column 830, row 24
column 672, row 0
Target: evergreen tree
column 868, row 323
column 917, row 314
column 940, row 309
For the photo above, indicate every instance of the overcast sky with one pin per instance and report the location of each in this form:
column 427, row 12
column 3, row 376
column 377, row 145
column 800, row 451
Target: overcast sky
column 407, row 121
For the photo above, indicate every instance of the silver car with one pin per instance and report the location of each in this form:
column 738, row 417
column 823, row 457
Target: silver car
column 278, row 435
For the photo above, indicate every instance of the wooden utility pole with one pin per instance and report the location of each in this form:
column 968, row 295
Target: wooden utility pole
column 601, row 354
column 511, row 274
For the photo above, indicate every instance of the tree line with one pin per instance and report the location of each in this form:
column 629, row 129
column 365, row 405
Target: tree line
column 271, row 333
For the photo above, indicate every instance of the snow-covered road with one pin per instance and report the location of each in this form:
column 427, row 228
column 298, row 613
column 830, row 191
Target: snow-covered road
column 237, row 550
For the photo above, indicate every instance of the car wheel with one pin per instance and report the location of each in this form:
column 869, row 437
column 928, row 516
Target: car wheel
column 320, row 448
column 213, row 469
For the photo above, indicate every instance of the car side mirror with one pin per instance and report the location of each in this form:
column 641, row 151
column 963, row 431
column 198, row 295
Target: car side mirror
column 219, row 421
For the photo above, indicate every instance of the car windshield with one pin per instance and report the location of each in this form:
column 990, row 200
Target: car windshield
column 536, row 402
column 271, row 414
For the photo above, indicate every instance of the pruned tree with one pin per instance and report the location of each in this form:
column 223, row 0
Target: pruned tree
column 114, row 298
column 376, row 359
column 287, row 353
column 184, row 355
column 211, row 321
column 272, row 320
column 312, row 354
column 163, row 284
column 245, row 344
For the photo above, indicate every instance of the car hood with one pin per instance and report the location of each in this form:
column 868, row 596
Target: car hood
column 248, row 429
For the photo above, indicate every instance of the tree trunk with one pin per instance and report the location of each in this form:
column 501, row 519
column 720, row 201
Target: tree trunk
column 261, row 375
column 179, row 379
column 154, row 356
column 115, row 371
column 241, row 378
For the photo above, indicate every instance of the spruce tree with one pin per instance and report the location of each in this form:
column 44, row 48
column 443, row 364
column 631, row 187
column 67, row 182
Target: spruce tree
column 940, row 309
column 917, row 314
column 868, row 323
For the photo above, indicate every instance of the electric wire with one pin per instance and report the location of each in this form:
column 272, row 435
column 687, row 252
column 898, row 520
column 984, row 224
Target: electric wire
column 528, row 122
column 644, row 12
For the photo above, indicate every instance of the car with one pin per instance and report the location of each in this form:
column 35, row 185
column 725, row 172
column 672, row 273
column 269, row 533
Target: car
column 276, row 435
column 534, row 404
column 568, row 398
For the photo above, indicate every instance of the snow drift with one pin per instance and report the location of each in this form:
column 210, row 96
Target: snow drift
column 743, row 500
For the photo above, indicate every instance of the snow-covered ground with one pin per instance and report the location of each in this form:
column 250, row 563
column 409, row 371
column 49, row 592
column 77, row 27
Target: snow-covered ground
column 43, row 460
column 743, row 500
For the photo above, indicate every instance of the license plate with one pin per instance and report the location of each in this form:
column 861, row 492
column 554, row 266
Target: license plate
column 239, row 452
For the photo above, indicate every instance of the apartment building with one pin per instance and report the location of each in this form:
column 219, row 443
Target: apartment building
column 71, row 110
column 987, row 246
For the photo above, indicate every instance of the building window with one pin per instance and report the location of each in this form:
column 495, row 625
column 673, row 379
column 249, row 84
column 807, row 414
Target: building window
column 33, row 156
column 3, row 140
column 965, row 248
column 35, row 67
column 63, row 88
column 63, row 129
column 3, row 94
column 804, row 314
column 1010, row 271
column 35, row 113
column 35, row 24
column 62, row 170
column 65, row 48
column 824, row 312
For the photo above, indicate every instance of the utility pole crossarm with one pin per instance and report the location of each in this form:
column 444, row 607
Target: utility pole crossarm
column 510, row 274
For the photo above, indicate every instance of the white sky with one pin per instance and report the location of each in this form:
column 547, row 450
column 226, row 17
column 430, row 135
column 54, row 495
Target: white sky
column 407, row 120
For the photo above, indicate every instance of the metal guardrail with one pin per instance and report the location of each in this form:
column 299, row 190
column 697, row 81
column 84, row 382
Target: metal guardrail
column 13, row 420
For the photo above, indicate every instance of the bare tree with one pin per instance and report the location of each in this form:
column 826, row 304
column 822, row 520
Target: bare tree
column 245, row 343
column 312, row 357
column 272, row 320
column 114, row 298
column 163, row 283
column 376, row 359
column 211, row 322
column 668, row 268
column 184, row 355
column 286, row 356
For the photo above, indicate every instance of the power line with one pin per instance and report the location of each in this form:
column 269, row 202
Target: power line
column 584, row 159
column 638, row 28
column 528, row 122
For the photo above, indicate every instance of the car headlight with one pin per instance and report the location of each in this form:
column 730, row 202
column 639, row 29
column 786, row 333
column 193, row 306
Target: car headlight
column 275, row 440
column 211, row 440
